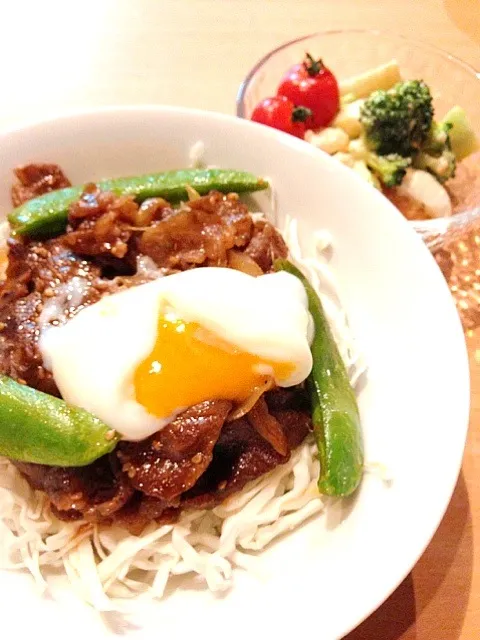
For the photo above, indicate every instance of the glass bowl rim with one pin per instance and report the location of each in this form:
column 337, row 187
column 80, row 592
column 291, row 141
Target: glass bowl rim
column 330, row 32
column 422, row 226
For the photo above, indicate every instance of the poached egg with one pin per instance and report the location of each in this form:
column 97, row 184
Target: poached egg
column 138, row 358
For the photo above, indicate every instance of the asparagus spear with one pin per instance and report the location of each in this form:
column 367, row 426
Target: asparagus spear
column 36, row 427
column 335, row 415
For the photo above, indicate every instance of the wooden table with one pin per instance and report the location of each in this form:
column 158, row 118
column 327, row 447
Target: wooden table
column 195, row 53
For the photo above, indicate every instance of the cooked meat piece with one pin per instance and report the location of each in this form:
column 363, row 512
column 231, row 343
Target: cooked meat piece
column 296, row 425
column 241, row 455
column 99, row 492
column 142, row 509
column 266, row 245
column 101, row 223
column 291, row 398
column 268, row 426
column 232, row 212
column 35, row 180
column 19, row 355
column 172, row 460
column 94, row 492
column 44, row 266
column 36, row 273
column 94, row 203
column 17, row 274
column 151, row 209
column 200, row 233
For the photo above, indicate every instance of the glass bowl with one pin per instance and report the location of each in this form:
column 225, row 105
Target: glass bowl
column 349, row 52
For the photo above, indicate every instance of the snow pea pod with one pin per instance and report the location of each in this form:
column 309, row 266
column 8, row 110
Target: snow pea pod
column 47, row 214
column 36, row 427
column 335, row 415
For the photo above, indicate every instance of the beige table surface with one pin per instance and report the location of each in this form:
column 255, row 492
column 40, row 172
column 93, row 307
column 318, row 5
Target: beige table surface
column 58, row 55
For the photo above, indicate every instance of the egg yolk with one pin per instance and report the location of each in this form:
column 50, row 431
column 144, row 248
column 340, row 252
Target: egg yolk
column 189, row 364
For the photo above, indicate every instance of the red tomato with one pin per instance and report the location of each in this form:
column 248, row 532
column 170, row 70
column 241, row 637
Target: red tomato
column 314, row 86
column 280, row 113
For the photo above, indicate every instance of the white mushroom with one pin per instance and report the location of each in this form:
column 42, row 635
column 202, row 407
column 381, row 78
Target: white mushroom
column 422, row 187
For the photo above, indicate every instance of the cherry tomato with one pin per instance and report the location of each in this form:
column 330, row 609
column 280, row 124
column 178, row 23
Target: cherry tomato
column 280, row 113
column 314, row 86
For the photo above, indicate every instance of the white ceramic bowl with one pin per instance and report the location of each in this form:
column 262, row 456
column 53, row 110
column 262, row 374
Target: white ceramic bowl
column 328, row 576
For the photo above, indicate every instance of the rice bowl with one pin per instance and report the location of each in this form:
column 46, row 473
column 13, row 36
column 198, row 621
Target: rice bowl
column 375, row 301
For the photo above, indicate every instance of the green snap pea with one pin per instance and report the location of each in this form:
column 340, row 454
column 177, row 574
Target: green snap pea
column 335, row 415
column 47, row 214
column 36, row 427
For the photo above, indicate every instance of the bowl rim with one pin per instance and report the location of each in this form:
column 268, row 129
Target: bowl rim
column 240, row 98
column 424, row 227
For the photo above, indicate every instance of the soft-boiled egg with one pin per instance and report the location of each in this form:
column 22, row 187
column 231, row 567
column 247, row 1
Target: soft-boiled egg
column 139, row 357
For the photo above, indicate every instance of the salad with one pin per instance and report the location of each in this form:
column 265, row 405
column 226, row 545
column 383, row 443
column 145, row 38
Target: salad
column 385, row 128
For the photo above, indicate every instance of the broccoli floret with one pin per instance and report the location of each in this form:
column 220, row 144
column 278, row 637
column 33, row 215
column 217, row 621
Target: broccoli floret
column 438, row 138
column 436, row 155
column 398, row 120
column 390, row 169
column 442, row 167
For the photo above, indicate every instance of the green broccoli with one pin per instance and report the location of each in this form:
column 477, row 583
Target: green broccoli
column 390, row 169
column 442, row 167
column 438, row 138
column 436, row 155
column 398, row 120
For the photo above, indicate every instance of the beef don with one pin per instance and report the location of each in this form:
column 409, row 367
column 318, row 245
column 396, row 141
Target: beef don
column 111, row 242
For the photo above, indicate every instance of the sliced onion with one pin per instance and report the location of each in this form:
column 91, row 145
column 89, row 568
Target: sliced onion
column 192, row 194
column 247, row 404
column 147, row 210
column 3, row 264
column 4, row 235
column 243, row 262
column 268, row 427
